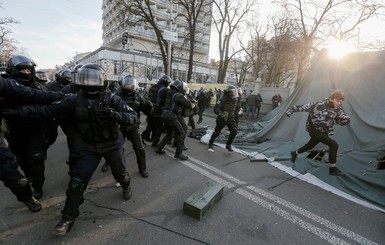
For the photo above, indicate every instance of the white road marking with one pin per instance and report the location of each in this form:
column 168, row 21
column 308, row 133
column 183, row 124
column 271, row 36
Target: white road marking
column 192, row 163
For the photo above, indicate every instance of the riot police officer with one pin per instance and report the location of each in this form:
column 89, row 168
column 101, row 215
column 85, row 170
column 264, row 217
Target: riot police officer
column 128, row 92
column 41, row 77
column 226, row 110
column 156, row 95
column 26, row 137
column 172, row 116
column 9, row 173
column 96, row 114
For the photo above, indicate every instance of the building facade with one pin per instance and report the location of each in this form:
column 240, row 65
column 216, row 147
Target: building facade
column 141, row 56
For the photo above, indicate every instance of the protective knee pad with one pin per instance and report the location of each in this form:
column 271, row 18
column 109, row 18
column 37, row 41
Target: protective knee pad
column 75, row 198
column 22, row 189
column 76, row 186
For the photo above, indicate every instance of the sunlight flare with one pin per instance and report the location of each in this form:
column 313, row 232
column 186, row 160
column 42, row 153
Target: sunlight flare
column 339, row 48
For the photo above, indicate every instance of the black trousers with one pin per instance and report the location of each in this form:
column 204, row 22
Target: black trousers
column 176, row 128
column 11, row 177
column 221, row 123
column 320, row 137
column 137, row 145
column 28, row 147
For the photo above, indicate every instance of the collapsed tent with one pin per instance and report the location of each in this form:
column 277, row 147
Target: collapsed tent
column 361, row 77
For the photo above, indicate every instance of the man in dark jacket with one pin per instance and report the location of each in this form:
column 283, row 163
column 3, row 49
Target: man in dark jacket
column 172, row 116
column 156, row 95
column 11, row 89
column 320, row 123
column 96, row 114
column 226, row 110
column 128, row 92
column 26, row 138
column 203, row 103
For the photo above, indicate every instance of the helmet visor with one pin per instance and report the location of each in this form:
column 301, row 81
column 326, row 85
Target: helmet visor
column 90, row 77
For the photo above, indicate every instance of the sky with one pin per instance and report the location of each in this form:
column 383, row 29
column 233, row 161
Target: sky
column 51, row 32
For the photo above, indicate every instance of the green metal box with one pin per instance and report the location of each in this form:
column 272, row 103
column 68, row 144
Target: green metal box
column 198, row 204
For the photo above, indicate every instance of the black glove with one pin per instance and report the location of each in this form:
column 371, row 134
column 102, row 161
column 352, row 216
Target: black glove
column 224, row 115
column 116, row 116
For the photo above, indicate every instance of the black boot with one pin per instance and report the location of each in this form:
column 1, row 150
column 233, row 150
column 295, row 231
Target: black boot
column 144, row 173
column 63, row 226
column 229, row 148
column 37, row 192
column 33, row 205
column 127, row 193
column 181, row 157
column 335, row 171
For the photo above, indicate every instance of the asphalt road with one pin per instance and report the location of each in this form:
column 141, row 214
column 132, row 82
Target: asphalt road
column 260, row 205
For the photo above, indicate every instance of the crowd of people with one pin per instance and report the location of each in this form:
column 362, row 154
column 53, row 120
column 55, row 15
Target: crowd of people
column 97, row 117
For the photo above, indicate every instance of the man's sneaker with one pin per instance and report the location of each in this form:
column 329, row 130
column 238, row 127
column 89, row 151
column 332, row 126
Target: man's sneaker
column 144, row 173
column 127, row 193
column 211, row 148
column 105, row 167
column 37, row 192
column 293, row 156
column 33, row 205
column 160, row 151
column 335, row 171
column 229, row 148
column 181, row 157
column 63, row 226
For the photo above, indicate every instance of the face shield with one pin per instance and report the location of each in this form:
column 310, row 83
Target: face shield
column 90, row 77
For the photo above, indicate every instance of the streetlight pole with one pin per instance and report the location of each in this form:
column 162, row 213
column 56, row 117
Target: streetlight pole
column 169, row 44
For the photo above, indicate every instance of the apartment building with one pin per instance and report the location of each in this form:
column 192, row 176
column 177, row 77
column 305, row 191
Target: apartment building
column 141, row 56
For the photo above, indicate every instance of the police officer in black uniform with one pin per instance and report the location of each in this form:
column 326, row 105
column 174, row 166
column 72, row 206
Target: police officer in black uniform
column 156, row 95
column 41, row 77
column 9, row 173
column 96, row 114
column 226, row 110
column 128, row 92
column 172, row 116
column 26, row 137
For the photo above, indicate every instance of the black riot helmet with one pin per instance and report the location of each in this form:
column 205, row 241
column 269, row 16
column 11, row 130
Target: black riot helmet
column 129, row 84
column 231, row 91
column 65, row 77
column 22, row 69
column 41, row 77
column 180, row 86
column 91, row 78
column 74, row 71
column 165, row 80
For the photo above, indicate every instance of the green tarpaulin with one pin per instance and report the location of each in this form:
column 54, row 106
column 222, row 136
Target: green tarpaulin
column 361, row 77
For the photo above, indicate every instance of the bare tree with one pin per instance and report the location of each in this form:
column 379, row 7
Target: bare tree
column 242, row 66
column 257, row 48
column 314, row 19
column 194, row 13
column 228, row 15
column 6, row 42
column 141, row 11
